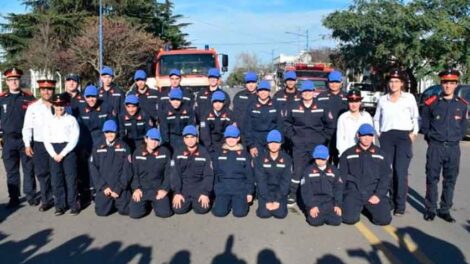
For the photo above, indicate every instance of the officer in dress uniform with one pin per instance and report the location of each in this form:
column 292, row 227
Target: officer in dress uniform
column 273, row 172
column 111, row 170
column 193, row 175
column 203, row 99
column 367, row 175
column 243, row 99
column 151, row 177
column 73, row 95
column 110, row 93
column 148, row 98
column 443, row 125
column 14, row 103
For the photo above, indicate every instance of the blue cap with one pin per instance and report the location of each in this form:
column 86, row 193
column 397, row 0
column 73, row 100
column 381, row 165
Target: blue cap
column 213, row 73
column 131, row 99
column 335, row 76
column 290, row 75
column 190, row 130
column 107, row 71
column 320, row 152
column 218, row 96
column 91, row 90
column 73, row 77
column 175, row 94
column 307, row 85
column 251, row 77
column 154, row 133
column 140, row 75
column 110, row 126
column 274, row 136
column 231, row 132
column 175, row 72
column 264, row 85
column 366, row 129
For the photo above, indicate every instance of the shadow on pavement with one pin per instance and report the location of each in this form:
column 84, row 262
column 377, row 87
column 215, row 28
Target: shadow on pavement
column 467, row 226
column 267, row 256
column 415, row 200
column 329, row 259
column 227, row 256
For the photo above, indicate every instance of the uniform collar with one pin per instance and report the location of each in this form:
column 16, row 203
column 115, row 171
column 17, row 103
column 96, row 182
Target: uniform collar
column 196, row 152
column 372, row 149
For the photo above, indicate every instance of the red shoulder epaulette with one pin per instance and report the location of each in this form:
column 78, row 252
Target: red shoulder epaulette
column 3, row 94
column 463, row 100
column 430, row 100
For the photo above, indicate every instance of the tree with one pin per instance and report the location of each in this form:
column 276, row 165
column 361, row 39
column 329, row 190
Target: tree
column 245, row 62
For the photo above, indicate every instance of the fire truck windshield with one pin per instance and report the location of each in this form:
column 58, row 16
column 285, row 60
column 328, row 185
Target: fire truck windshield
column 311, row 74
column 187, row 63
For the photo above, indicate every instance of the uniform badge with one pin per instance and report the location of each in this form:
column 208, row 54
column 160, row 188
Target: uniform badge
column 438, row 117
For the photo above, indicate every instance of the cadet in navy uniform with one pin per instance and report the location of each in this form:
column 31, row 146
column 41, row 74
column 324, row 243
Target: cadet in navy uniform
column 133, row 123
column 110, row 94
column 148, row 98
column 33, row 138
column 60, row 138
column 14, row 103
column 111, row 170
column 336, row 102
column 273, row 172
column 443, row 125
column 214, row 123
column 73, row 95
column 234, row 177
column 243, row 99
column 367, row 175
column 193, row 176
column 321, row 187
column 203, row 99
column 174, row 117
column 283, row 98
column 307, row 125
column 175, row 80
column 260, row 118
column 151, row 177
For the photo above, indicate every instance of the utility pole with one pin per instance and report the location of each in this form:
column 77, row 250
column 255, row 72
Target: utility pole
column 301, row 35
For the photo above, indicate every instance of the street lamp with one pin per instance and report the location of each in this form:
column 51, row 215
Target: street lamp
column 300, row 35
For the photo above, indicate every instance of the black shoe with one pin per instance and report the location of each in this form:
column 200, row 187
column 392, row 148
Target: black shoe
column 13, row 203
column 398, row 213
column 429, row 216
column 74, row 211
column 33, row 202
column 59, row 211
column 45, row 207
column 291, row 200
column 447, row 217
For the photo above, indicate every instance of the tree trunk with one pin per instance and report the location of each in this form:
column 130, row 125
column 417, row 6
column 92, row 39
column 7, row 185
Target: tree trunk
column 412, row 82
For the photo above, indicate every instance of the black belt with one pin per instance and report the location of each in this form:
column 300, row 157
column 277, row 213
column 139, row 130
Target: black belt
column 446, row 143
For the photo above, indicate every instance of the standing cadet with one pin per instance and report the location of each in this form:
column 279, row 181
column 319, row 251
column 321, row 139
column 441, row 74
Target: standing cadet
column 133, row 123
column 73, row 95
column 307, row 125
column 335, row 101
column 151, row 177
column 175, row 81
column 214, row 123
column 234, row 178
column 174, row 116
column 321, row 187
column 111, row 170
column 203, row 99
column 148, row 98
column 260, row 118
column 243, row 99
column 110, row 94
column 283, row 98
column 33, row 138
column 273, row 172
column 367, row 174
column 60, row 138
column 193, row 175
column 396, row 123
column 14, row 103
column 443, row 125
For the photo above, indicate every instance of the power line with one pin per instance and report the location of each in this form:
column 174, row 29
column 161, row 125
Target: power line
column 246, row 43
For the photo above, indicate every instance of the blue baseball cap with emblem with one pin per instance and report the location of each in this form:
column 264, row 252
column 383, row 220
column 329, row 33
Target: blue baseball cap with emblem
column 231, row 132
column 274, row 136
column 131, row 99
column 251, row 77
column 140, row 75
column 91, row 90
column 175, row 94
column 110, row 126
column 290, row 75
column 218, row 96
column 264, row 85
column 307, row 85
column 154, row 134
column 190, row 130
column 213, row 73
column 107, row 71
column 335, row 76
column 175, row 72
column 366, row 130
column 320, row 152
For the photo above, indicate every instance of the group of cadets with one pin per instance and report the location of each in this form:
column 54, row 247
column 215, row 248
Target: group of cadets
column 172, row 151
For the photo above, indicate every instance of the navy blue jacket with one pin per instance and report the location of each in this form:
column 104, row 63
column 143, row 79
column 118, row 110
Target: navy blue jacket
column 273, row 176
column 113, row 100
column 334, row 103
column 164, row 101
column 151, row 171
column 203, row 103
column 259, row 120
column 233, row 173
column 318, row 187
column 213, row 128
column 75, row 103
column 12, row 112
column 148, row 101
column 134, row 128
column 241, row 101
column 91, row 120
column 283, row 101
column 172, row 122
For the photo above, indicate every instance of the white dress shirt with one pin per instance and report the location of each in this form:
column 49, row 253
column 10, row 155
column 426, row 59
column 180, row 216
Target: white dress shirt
column 400, row 115
column 347, row 129
column 34, row 121
column 63, row 129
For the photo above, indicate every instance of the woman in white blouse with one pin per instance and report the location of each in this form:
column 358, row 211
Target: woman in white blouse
column 350, row 121
column 396, row 122
column 61, row 133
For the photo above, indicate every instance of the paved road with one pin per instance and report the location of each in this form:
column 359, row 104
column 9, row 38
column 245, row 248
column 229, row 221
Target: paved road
column 28, row 236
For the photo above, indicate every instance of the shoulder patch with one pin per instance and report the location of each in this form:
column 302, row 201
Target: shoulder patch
column 463, row 100
column 430, row 100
